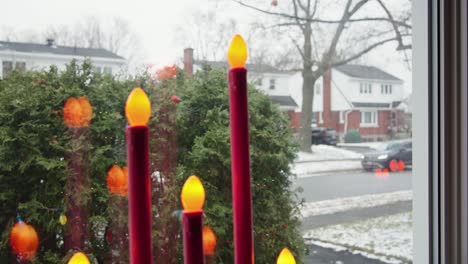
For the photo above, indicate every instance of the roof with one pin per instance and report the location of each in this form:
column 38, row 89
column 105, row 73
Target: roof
column 58, row 50
column 256, row 67
column 283, row 100
column 365, row 72
column 377, row 105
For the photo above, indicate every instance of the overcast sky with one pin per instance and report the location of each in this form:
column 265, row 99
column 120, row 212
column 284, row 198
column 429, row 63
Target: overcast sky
column 154, row 22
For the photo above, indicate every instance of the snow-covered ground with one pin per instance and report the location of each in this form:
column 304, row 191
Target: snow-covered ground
column 388, row 238
column 315, row 168
column 325, row 159
column 371, row 145
column 327, row 153
column 356, row 202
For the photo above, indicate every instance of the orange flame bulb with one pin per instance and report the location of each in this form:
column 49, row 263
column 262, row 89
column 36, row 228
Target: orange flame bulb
column 24, row 240
column 237, row 52
column 209, row 241
column 286, row 257
column 79, row 258
column 138, row 108
column 193, row 194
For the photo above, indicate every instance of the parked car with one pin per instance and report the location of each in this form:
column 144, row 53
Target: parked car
column 401, row 150
column 325, row 136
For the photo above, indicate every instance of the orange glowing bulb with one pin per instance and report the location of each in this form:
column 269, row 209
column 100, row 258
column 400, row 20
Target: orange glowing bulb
column 237, row 52
column 209, row 241
column 79, row 258
column 138, row 108
column 193, row 194
column 286, row 257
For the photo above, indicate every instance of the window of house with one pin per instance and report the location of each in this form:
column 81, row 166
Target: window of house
column 369, row 118
column 321, row 117
column 272, row 84
column 107, row 70
column 97, row 69
column 318, row 89
column 314, row 118
column 259, row 81
column 342, row 116
column 390, row 89
column 365, row 88
column 7, row 68
column 20, row 66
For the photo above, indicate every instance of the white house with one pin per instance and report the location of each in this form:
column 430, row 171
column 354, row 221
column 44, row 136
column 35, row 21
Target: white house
column 33, row 56
column 359, row 97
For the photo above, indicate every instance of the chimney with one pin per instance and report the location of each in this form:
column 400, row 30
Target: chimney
column 188, row 62
column 50, row 42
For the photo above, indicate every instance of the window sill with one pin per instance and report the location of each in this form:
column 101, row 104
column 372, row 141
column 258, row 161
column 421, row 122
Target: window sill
column 368, row 125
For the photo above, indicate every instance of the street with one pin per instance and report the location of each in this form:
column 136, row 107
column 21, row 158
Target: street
column 349, row 184
column 346, row 184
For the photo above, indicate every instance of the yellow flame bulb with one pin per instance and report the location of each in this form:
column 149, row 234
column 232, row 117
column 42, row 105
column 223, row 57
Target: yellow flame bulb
column 286, row 257
column 237, row 52
column 193, row 194
column 63, row 219
column 79, row 258
column 138, row 108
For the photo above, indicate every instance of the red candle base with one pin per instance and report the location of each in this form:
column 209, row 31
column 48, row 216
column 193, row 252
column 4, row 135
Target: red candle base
column 240, row 167
column 139, row 195
column 192, row 224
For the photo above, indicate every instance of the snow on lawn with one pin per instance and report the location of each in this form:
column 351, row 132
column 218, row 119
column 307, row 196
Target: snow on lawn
column 355, row 202
column 371, row 145
column 308, row 169
column 388, row 238
column 327, row 153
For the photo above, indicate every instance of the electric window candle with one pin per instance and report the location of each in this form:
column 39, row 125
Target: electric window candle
column 138, row 110
column 286, row 257
column 193, row 198
column 240, row 156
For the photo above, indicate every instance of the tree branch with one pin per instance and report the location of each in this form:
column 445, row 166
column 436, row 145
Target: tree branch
column 362, row 52
column 395, row 26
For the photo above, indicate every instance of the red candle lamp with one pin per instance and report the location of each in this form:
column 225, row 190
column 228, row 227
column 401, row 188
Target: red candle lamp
column 193, row 198
column 240, row 156
column 138, row 110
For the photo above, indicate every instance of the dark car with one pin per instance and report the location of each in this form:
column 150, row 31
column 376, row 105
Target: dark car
column 324, row 136
column 386, row 153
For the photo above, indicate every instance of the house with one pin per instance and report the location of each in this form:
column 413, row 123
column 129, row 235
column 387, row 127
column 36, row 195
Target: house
column 32, row 56
column 357, row 97
column 273, row 82
column 348, row 97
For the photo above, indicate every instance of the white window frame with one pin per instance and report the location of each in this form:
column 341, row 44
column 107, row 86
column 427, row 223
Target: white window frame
column 365, row 87
column 272, row 85
column 342, row 116
column 321, row 117
column 374, row 118
column 318, row 89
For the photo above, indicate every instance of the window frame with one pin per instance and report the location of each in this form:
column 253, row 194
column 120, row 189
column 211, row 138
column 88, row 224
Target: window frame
column 374, row 117
column 272, row 85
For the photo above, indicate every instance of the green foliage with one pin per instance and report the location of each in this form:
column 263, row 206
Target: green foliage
column 352, row 136
column 33, row 167
column 34, row 143
column 205, row 151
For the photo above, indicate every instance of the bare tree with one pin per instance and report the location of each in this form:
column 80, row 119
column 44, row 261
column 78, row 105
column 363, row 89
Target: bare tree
column 333, row 33
column 207, row 33
column 114, row 34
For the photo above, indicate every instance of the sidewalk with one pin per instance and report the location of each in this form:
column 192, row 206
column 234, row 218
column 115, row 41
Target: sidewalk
column 325, row 159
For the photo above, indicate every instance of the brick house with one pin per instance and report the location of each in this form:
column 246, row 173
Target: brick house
column 363, row 98
column 358, row 97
